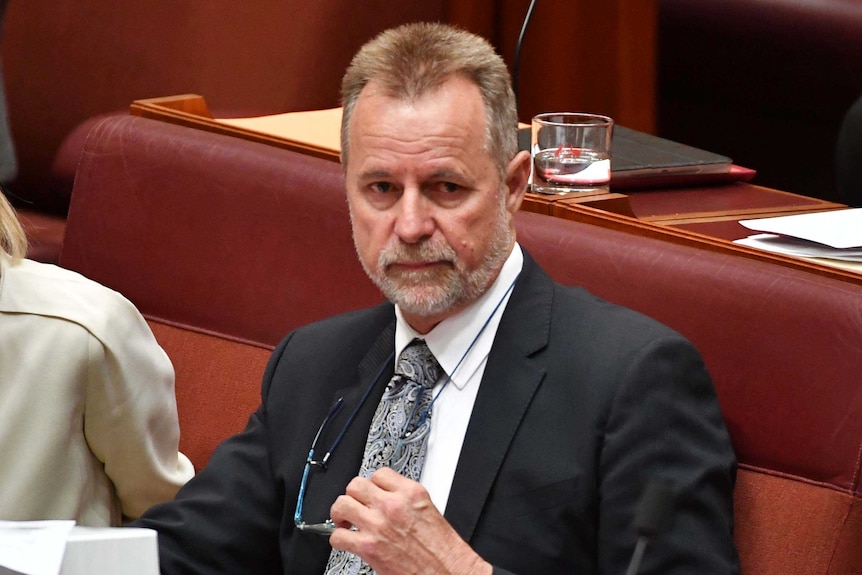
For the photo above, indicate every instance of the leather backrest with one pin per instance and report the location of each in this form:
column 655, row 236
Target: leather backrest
column 782, row 345
column 234, row 237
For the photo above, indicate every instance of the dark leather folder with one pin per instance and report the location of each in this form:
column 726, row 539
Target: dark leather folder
column 641, row 161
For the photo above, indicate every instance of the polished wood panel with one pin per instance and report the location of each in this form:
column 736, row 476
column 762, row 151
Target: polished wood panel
column 191, row 110
column 693, row 235
column 716, row 203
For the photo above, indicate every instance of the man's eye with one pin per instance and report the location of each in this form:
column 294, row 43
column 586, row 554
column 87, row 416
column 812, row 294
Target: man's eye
column 381, row 187
column 449, row 187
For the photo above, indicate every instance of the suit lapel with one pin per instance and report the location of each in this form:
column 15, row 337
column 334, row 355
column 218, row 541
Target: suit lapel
column 359, row 404
column 510, row 380
column 375, row 370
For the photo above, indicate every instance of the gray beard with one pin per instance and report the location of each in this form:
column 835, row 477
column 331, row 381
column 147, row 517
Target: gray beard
column 425, row 295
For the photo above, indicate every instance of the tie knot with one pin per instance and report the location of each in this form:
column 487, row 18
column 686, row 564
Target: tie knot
column 418, row 364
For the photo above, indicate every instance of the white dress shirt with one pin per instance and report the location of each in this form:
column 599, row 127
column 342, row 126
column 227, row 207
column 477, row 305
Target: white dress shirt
column 450, row 342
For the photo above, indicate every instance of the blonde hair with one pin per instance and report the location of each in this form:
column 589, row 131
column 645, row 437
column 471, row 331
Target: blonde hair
column 414, row 59
column 13, row 241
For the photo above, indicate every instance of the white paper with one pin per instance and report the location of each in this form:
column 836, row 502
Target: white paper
column 33, row 547
column 835, row 228
column 797, row 247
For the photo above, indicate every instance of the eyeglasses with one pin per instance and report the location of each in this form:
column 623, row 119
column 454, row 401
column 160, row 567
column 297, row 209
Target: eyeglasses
column 327, row 527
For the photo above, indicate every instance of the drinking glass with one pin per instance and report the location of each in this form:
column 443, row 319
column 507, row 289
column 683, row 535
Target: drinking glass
column 571, row 152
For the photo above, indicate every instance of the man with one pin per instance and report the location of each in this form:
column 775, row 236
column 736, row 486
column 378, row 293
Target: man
column 551, row 410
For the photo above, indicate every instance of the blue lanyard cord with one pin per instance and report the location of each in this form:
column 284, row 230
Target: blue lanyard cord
column 350, row 419
column 335, row 409
column 309, row 461
column 427, row 411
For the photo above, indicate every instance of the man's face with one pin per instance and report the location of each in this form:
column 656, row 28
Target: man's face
column 432, row 220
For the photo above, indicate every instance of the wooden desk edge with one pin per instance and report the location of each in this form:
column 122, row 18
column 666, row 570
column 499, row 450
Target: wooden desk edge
column 590, row 215
column 192, row 111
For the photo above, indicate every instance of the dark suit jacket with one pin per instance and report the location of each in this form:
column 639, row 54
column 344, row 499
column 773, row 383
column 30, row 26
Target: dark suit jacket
column 582, row 403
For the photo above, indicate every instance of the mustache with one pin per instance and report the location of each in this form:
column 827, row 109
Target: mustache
column 401, row 253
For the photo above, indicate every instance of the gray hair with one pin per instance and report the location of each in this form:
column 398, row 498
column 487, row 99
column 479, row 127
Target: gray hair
column 411, row 60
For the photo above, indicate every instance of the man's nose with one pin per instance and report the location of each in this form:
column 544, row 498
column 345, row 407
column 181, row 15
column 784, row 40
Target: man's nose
column 414, row 219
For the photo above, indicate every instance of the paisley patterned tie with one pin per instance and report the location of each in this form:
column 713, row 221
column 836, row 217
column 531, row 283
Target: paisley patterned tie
column 398, row 437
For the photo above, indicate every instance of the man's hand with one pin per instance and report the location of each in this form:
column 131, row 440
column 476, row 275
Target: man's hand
column 398, row 530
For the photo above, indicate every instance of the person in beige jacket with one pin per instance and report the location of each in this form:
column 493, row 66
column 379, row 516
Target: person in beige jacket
column 88, row 415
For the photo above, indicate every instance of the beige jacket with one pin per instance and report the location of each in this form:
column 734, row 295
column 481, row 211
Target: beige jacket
column 88, row 416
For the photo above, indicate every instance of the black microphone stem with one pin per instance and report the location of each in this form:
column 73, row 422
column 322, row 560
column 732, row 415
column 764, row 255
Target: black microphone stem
column 516, row 65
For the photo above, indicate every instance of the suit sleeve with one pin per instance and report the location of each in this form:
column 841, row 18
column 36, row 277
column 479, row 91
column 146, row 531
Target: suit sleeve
column 665, row 423
column 227, row 518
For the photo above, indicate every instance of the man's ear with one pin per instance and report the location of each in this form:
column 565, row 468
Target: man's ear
column 517, row 180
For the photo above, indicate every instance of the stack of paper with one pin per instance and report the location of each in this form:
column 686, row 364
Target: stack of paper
column 833, row 237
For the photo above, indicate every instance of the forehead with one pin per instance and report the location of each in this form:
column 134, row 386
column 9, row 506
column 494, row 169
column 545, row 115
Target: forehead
column 449, row 119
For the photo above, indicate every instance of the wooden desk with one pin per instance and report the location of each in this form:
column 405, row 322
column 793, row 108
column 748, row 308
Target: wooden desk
column 191, row 110
column 703, row 216
column 708, row 235
column 711, row 210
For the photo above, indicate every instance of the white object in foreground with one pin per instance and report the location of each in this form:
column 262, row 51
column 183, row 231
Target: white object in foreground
column 111, row 551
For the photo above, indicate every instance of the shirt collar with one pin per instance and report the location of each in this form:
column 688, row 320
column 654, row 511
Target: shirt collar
column 451, row 338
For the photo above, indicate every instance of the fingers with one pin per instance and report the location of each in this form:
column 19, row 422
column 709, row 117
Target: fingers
column 353, row 508
column 388, row 479
column 364, row 499
column 385, row 510
column 357, row 521
column 348, row 512
column 398, row 529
